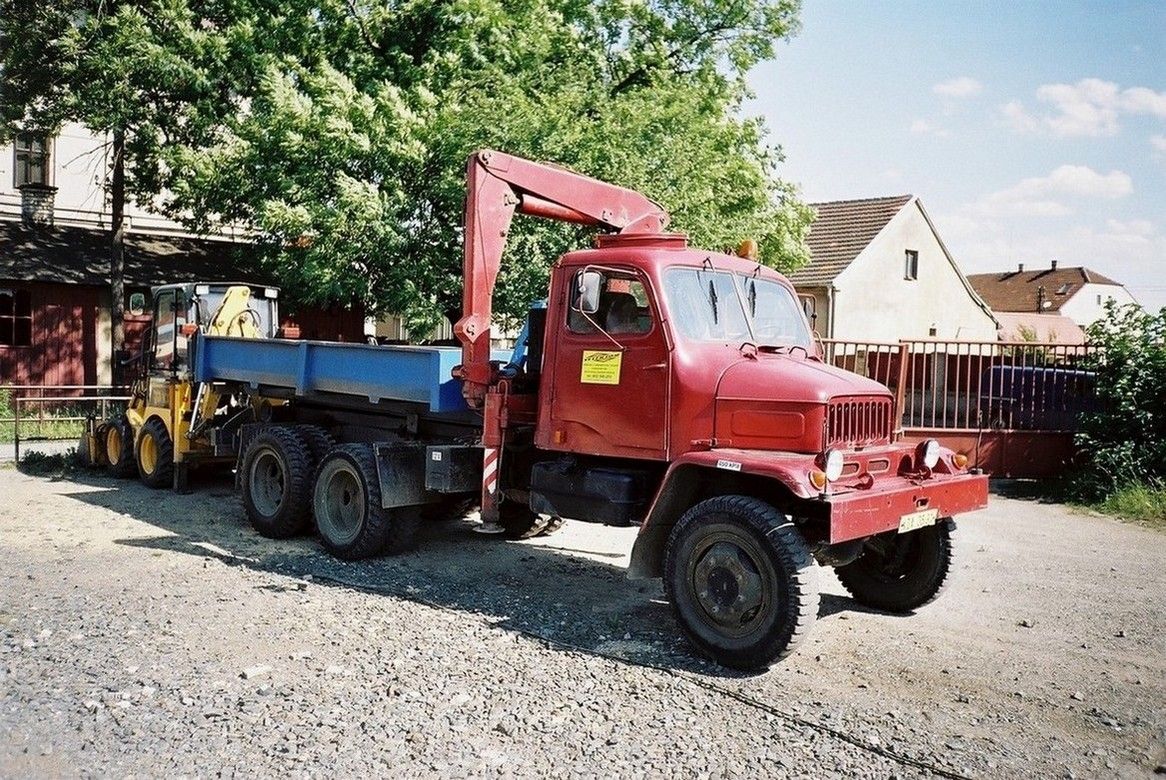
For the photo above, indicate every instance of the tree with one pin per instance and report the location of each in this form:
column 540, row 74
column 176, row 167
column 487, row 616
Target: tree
column 1123, row 442
column 338, row 130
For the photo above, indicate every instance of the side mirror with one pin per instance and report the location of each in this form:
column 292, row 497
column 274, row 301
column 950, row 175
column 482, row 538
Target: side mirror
column 588, row 285
column 137, row 304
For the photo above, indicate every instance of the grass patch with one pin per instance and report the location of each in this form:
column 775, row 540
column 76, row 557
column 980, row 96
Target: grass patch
column 1142, row 504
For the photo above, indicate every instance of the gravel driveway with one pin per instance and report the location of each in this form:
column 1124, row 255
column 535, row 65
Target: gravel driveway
column 150, row 634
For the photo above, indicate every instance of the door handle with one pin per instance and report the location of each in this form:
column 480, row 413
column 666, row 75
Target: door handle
column 655, row 366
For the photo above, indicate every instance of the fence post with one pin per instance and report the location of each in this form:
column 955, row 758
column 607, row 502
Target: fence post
column 900, row 389
column 16, row 428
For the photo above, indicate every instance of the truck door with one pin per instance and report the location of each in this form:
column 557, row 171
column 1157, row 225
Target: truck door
column 609, row 386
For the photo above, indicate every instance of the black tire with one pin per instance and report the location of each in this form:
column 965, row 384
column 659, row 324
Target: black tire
column 521, row 522
column 346, row 500
column 276, row 482
column 318, row 441
column 901, row 572
column 118, row 440
column 154, row 453
column 741, row 580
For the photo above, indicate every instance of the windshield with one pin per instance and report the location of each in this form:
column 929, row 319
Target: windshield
column 709, row 305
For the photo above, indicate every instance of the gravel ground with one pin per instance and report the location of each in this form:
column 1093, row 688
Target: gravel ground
column 146, row 634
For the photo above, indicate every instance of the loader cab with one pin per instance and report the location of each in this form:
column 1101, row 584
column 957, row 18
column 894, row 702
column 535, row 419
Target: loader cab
column 227, row 309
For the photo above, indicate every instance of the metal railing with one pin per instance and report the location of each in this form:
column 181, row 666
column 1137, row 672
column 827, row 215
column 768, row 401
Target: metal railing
column 66, row 397
column 973, row 385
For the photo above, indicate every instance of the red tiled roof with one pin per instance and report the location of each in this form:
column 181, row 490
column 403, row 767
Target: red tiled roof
column 1045, row 328
column 842, row 229
column 1021, row 290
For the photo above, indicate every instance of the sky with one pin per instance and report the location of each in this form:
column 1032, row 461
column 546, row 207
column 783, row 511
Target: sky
column 1031, row 131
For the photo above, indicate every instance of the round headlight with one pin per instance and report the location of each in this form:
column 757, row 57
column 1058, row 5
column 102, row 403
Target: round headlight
column 929, row 453
column 833, row 464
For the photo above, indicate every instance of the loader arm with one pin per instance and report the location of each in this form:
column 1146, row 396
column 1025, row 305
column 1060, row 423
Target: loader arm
column 499, row 184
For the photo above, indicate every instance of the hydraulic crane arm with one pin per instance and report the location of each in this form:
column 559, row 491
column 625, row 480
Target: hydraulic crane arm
column 499, row 184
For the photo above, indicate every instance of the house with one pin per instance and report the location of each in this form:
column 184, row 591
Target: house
column 879, row 272
column 1074, row 295
column 55, row 305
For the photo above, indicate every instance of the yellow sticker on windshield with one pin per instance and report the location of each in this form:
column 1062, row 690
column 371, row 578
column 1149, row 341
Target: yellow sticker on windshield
column 600, row 367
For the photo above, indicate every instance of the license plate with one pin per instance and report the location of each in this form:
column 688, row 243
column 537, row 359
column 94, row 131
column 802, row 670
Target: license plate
column 920, row 519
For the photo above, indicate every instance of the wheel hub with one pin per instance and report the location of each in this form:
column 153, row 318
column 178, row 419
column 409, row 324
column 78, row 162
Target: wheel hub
column 728, row 585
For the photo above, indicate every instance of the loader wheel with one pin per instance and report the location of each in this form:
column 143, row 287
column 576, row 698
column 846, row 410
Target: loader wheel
column 521, row 522
column 117, row 439
column 276, row 481
column 347, row 503
column 318, row 440
column 901, row 572
column 741, row 581
column 155, row 455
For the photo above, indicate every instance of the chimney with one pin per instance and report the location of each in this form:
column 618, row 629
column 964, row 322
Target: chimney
column 1054, row 264
column 1020, row 268
column 36, row 204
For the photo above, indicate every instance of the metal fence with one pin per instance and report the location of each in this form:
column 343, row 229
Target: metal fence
column 976, row 385
column 57, row 411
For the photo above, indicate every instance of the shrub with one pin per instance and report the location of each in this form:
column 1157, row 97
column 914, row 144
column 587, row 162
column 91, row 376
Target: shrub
column 1124, row 443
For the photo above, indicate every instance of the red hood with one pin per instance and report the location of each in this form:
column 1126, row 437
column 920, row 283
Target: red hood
column 780, row 402
column 792, row 377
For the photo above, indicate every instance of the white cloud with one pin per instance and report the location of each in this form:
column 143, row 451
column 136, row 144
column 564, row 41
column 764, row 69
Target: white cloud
column 1089, row 108
column 923, row 127
column 962, row 87
column 1041, row 196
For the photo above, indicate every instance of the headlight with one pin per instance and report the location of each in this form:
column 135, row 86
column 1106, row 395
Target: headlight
column 833, row 464
column 928, row 453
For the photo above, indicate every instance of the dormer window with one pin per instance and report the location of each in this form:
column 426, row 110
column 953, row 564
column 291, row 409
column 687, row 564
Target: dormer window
column 1064, row 289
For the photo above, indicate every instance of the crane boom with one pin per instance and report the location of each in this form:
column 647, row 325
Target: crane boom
column 499, row 184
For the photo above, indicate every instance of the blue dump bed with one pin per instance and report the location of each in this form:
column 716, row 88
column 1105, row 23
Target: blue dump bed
column 421, row 375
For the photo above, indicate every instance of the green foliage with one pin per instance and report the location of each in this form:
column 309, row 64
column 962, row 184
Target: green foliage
column 1125, row 442
column 338, row 130
column 1140, row 503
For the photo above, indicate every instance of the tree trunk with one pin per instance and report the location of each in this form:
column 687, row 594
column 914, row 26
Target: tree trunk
column 117, row 198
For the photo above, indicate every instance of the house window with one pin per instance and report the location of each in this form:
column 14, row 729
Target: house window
column 31, row 160
column 15, row 318
column 911, row 266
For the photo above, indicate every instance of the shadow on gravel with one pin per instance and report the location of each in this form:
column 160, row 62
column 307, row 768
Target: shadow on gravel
column 547, row 591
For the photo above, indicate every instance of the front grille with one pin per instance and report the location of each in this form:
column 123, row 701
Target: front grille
column 858, row 422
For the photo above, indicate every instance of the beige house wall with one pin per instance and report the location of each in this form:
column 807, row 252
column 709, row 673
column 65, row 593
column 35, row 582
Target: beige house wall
column 874, row 302
column 1087, row 305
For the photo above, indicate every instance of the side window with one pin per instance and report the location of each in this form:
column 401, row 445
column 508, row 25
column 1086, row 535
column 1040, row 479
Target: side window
column 15, row 318
column 164, row 329
column 623, row 307
column 911, row 265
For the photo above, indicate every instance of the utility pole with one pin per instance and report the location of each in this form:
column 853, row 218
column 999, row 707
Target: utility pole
column 117, row 198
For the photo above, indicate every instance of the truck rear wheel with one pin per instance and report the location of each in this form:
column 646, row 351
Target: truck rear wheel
column 901, row 572
column 347, row 504
column 155, row 454
column 741, row 581
column 318, row 440
column 116, row 438
column 276, row 480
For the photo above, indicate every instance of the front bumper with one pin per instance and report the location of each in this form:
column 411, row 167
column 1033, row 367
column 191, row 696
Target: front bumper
column 859, row 513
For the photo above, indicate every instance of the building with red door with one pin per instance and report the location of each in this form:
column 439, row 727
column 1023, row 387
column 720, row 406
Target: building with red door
column 55, row 312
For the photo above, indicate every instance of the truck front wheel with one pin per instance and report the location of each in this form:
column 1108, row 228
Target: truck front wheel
column 276, row 478
column 900, row 572
column 347, row 503
column 741, row 581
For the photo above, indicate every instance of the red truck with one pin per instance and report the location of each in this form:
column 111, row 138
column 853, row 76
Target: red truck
column 661, row 386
